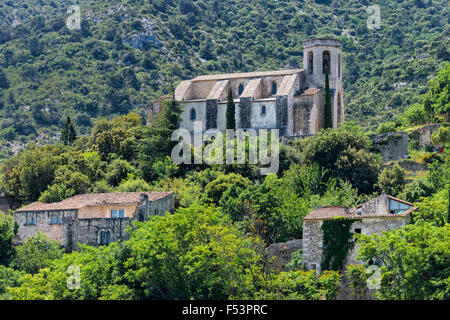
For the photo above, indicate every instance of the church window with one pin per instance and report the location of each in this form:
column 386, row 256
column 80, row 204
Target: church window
column 326, row 62
column 310, row 62
column 263, row 110
column 339, row 108
column 193, row 114
column 339, row 65
column 241, row 88
column 274, row 88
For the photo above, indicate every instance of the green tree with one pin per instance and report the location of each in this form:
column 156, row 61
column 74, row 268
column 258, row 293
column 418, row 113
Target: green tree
column 4, row 82
column 100, row 271
column 192, row 254
column 36, row 253
column 357, row 279
column 414, row 261
column 68, row 135
column 344, row 153
column 230, row 112
column 8, row 278
column 392, row 181
column 7, row 233
column 433, row 209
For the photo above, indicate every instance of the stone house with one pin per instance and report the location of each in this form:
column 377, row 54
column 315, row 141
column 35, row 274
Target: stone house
column 93, row 219
column 289, row 100
column 374, row 216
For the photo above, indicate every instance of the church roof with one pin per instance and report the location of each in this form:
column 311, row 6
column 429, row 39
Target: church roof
column 94, row 199
column 246, row 75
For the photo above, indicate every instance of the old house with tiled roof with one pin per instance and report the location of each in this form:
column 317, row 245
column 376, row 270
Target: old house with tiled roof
column 374, row 216
column 93, row 219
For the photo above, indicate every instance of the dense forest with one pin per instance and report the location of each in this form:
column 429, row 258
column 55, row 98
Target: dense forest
column 127, row 53
column 73, row 121
column 213, row 246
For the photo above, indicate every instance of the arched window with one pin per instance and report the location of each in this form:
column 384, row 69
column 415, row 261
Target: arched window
column 339, row 108
column 263, row 110
column 241, row 88
column 104, row 237
column 310, row 62
column 326, row 62
column 192, row 114
column 274, row 88
column 339, row 65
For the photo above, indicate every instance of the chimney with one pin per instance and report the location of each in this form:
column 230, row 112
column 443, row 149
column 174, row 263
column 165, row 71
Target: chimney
column 144, row 198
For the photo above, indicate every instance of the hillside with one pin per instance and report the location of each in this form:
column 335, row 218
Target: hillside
column 129, row 52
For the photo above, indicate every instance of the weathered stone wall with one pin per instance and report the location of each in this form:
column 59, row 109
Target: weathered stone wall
column 268, row 120
column 211, row 114
column 43, row 223
column 313, row 237
column 7, row 204
column 392, row 146
column 160, row 207
column 372, row 226
column 423, row 135
column 245, row 113
column 281, row 111
column 200, row 109
column 302, row 115
column 87, row 231
column 312, row 244
column 279, row 254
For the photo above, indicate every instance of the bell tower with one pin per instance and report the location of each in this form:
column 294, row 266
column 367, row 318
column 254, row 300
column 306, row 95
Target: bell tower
column 320, row 56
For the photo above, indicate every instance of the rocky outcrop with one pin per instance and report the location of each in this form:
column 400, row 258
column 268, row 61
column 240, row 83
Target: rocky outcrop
column 141, row 39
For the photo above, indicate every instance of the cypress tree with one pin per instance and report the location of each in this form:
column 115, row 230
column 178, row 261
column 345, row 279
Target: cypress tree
column 68, row 135
column 230, row 112
column 328, row 112
column 4, row 83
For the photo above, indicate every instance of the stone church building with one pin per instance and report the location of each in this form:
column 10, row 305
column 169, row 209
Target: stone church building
column 289, row 100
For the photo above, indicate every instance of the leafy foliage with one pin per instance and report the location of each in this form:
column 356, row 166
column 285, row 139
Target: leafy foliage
column 414, row 261
column 337, row 242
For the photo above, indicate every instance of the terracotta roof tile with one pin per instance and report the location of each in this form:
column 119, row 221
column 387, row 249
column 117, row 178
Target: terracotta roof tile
column 322, row 213
column 94, row 199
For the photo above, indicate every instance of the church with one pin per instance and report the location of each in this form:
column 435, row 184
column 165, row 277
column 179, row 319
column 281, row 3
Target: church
column 292, row 101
